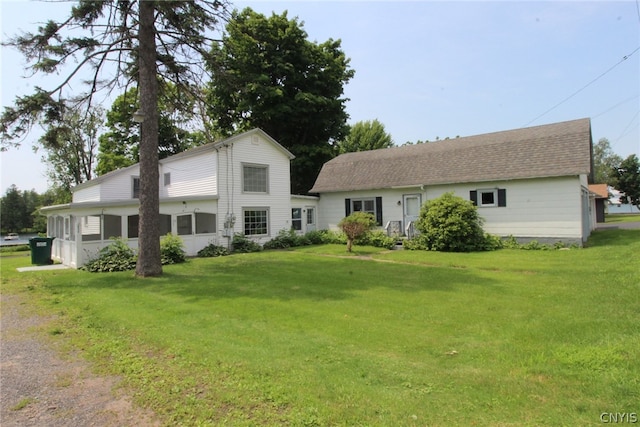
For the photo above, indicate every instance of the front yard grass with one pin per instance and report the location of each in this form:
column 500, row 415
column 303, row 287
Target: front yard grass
column 312, row 336
column 629, row 217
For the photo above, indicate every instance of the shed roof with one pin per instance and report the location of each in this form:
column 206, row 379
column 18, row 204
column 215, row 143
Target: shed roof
column 552, row 150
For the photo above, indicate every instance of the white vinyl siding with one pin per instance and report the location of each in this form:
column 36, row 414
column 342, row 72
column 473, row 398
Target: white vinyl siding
column 87, row 194
column 119, row 186
column 254, row 149
column 191, row 175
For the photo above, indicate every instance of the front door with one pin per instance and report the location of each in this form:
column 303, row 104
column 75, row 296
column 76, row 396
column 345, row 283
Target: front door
column 310, row 219
column 412, row 203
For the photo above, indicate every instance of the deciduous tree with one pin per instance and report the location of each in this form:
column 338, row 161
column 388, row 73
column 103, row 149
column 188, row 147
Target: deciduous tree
column 605, row 162
column 364, row 136
column 119, row 146
column 627, row 180
column 71, row 147
column 266, row 74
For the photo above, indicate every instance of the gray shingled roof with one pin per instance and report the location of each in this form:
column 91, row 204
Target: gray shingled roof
column 558, row 149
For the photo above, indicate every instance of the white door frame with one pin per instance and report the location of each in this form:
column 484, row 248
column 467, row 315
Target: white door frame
column 409, row 211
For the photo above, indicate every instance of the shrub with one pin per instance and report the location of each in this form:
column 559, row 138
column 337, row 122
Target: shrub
column 377, row 238
column 212, row 250
column 171, row 249
column 242, row 244
column 450, row 223
column 287, row 239
column 117, row 256
column 356, row 225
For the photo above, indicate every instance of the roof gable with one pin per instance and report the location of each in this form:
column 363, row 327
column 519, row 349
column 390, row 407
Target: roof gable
column 559, row 149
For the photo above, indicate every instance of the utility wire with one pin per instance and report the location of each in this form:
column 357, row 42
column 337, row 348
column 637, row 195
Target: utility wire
column 615, row 106
column 624, row 58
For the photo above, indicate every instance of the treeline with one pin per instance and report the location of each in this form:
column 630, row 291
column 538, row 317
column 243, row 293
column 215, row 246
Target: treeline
column 19, row 209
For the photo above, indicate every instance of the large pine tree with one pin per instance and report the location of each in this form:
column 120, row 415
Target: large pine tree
column 149, row 42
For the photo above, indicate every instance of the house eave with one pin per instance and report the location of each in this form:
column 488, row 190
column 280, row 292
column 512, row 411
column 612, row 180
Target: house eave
column 122, row 203
column 422, row 186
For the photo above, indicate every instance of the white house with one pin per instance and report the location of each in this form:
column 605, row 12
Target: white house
column 238, row 185
column 530, row 183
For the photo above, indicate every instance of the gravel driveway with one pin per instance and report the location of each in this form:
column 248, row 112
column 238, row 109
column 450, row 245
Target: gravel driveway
column 39, row 387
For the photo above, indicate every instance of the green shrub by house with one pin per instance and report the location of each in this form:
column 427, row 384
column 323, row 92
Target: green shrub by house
column 451, row 224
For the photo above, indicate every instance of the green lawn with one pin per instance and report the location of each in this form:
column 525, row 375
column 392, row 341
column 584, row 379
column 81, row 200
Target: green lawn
column 611, row 218
column 380, row 338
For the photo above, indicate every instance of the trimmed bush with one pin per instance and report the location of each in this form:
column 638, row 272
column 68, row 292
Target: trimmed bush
column 377, row 238
column 452, row 224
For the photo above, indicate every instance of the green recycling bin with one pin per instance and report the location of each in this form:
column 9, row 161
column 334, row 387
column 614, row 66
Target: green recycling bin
column 41, row 250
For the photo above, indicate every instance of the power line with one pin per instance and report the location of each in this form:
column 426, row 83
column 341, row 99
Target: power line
column 624, row 58
column 615, row 106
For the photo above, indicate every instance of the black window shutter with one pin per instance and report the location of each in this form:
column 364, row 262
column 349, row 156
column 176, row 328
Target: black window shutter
column 379, row 211
column 473, row 196
column 502, row 197
column 347, row 207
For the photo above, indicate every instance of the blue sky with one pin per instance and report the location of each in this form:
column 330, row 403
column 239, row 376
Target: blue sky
column 439, row 69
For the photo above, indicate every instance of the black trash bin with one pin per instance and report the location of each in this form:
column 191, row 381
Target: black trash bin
column 41, row 250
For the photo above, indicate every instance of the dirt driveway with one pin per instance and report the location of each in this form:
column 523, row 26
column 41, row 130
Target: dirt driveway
column 39, row 387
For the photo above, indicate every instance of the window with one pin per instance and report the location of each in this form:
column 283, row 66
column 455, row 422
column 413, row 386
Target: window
column 184, row 225
column 165, row 224
column 370, row 205
column 205, row 223
column 135, row 187
column 494, row 197
column 256, row 222
column 296, row 219
column 311, row 218
column 90, row 228
column 72, row 231
column 112, row 226
column 132, row 226
column 167, row 179
column 255, row 178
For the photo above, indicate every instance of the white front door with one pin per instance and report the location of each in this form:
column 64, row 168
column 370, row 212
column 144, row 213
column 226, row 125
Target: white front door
column 310, row 219
column 412, row 203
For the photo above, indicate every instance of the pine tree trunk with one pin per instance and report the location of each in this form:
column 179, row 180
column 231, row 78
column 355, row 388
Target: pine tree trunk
column 149, row 262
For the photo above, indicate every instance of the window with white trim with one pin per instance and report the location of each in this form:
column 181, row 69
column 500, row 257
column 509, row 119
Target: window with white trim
column 364, row 205
column 205, row 223
column 184, row 223
column 489, row 198
column 167, row 178
column 296, row 219
column 255, row 178
column 256, row 221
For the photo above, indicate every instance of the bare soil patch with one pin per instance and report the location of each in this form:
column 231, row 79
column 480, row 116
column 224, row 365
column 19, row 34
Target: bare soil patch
column 42, row 387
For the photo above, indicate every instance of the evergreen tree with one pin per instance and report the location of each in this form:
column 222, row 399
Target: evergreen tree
column 150, row 42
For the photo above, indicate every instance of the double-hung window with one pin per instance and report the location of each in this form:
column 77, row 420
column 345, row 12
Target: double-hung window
column 372, row 205
column 255, row 178
column 296, row 219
